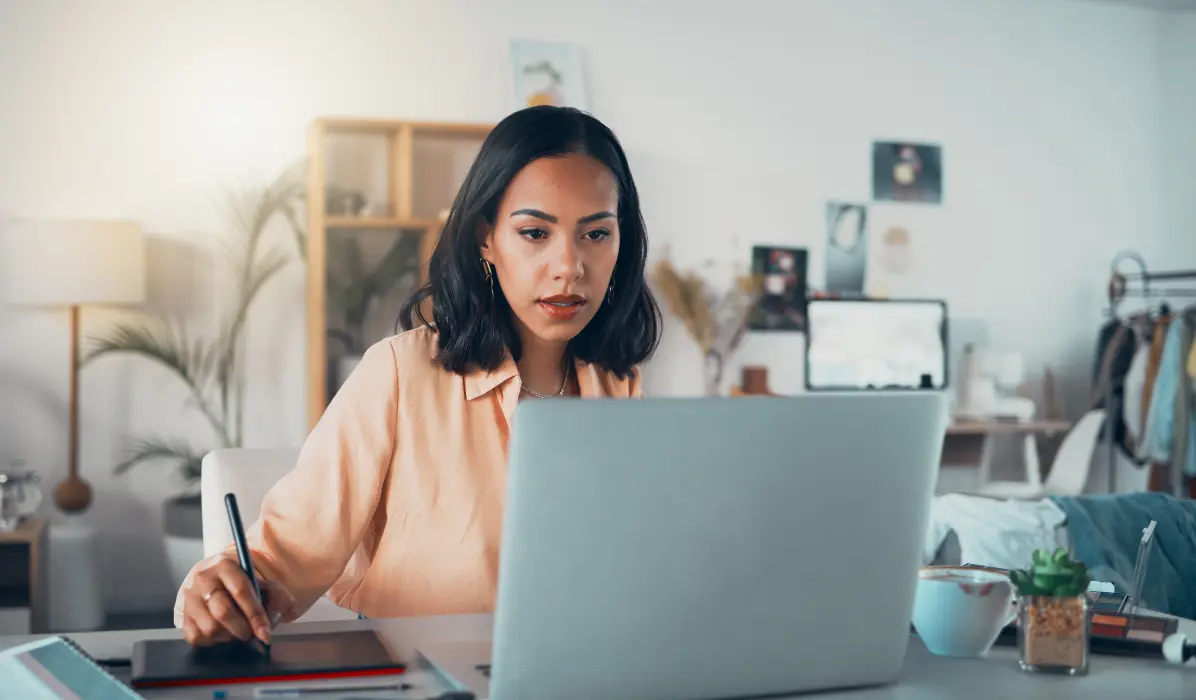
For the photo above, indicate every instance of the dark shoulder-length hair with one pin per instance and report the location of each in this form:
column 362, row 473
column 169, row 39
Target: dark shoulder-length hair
column 474, row 329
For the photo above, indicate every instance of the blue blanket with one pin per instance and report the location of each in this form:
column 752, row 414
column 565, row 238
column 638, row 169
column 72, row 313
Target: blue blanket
column 1106, row 530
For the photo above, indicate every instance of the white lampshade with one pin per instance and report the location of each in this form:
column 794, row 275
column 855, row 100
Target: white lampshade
column 64, row 263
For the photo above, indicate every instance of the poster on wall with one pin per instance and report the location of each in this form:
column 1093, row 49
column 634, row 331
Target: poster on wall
column 782, row 305
column 846, row 248
column 899, row 240
column 907, row 172
column 547, row 73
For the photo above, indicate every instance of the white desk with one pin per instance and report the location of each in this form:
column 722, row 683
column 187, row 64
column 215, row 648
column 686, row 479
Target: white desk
column 926, row 677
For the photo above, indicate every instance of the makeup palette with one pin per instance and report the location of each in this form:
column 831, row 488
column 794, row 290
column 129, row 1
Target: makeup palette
column 1107, row 602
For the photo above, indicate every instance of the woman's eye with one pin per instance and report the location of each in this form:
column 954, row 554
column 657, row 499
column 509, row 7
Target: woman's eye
column 597, row 234
column 534, row 234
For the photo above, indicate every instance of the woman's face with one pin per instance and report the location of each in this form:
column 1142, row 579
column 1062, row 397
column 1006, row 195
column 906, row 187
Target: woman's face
column 554, row 244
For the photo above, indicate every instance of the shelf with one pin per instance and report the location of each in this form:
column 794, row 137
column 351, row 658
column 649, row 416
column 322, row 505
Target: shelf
column 381, row 222
column 469, row 131
column 441, row 160
column 387, row 126
column 377, row 190
column 29, row 530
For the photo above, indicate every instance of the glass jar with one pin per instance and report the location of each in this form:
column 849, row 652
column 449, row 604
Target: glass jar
column 1052, row 634
column 19, row 497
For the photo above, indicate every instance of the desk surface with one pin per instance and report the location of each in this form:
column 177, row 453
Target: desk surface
column 29, row 530
column 962, row 426
column 926, row 677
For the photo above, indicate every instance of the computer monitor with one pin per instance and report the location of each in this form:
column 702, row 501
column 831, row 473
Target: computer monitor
column 876, row 344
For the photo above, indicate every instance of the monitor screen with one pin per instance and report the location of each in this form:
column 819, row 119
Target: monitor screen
column 876, row 344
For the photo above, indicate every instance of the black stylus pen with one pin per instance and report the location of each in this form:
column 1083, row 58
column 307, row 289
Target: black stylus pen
column 238, row 529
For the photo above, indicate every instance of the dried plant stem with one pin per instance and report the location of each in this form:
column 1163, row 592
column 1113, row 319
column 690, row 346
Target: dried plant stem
column 716, row 322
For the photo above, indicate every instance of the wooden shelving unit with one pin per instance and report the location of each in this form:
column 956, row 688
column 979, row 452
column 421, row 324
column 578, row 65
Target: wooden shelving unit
column 23, row 589
column 378, row 192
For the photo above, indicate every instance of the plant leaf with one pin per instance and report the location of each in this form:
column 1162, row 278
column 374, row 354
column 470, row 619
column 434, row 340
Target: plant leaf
column 169, row 344
column 175, row 452
column 162, row 341
column 403, row 257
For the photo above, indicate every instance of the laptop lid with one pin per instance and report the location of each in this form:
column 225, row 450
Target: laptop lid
column 698, row 548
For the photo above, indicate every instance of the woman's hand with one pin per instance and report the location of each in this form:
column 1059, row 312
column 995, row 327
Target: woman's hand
column 219, row 604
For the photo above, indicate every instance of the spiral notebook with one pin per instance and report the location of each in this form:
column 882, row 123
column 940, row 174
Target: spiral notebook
column 55, row 668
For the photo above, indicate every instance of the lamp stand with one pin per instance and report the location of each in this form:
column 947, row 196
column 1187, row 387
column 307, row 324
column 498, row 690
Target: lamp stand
column 73, row 495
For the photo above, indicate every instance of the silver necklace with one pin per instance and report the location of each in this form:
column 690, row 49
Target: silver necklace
column 560, row 392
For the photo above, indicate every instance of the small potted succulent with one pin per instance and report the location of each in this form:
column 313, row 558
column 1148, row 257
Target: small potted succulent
column 1052, row 615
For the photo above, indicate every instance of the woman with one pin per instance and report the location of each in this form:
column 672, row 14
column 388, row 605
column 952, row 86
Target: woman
column 538, row 291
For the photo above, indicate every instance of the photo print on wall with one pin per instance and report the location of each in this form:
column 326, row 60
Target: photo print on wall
column 547, row 73
column 907, row 172
column 846, row 248
column 782, row 304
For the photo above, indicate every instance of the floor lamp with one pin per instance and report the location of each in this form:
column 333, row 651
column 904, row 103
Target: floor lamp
column 69, row 265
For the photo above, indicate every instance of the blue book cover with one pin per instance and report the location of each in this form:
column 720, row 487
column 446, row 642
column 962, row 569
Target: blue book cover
column 54, row 668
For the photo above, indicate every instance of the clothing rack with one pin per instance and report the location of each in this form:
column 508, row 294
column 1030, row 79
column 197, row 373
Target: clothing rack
column 1136, row 284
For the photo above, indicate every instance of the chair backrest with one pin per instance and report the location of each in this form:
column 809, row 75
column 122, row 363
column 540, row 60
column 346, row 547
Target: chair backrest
column 1073, row 461
column 248, row 473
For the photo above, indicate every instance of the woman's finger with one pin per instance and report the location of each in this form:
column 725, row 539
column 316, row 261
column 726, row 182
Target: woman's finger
column 207, row 628
column 236, row 583
column 190, row 631
column 279, row 601
column 225, row 611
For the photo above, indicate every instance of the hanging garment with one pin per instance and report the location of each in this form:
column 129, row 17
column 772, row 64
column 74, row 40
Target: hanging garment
column 1135, row 386
column 1115, row 348
column 1152, row 361
column 1185, row 431
column 1192, row 363
column 1160, row 438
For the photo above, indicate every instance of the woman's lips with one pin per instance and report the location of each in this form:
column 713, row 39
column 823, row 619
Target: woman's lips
column 561, row 308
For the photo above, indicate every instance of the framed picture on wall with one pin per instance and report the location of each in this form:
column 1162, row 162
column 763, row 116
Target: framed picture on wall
column 547, row 73
column 782, row 306
column 907, row 172
column 846, row 253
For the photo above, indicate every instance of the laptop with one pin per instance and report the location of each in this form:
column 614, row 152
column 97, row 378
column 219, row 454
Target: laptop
column 706, row 548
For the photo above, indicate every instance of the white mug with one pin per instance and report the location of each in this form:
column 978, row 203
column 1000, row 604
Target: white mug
column 960, row 612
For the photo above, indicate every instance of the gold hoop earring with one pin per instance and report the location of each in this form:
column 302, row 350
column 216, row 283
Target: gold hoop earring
column 610, row 293
column 489, row 276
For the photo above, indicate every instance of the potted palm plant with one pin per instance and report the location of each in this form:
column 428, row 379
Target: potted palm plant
column 211, row 368
column 354, row 287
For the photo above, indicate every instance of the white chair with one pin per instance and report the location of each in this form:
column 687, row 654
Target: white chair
column 1069, row 470
column 248, row 473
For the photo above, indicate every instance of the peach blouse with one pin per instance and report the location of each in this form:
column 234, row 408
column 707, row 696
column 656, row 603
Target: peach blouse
column 395, row 504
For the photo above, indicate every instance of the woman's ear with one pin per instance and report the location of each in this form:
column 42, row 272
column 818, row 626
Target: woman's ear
column 485, row 235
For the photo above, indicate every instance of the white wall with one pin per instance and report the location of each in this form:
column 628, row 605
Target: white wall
column 739, row 123
column 1179, row 133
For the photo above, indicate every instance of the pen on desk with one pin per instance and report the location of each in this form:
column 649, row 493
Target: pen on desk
column 238, row 530
column 298, row 692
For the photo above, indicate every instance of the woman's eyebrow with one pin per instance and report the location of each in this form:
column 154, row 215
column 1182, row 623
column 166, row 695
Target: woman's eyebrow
column 597, row 216
column 536, row 213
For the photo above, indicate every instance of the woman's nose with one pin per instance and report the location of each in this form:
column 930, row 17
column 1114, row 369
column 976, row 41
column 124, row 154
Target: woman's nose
column 567, row 263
